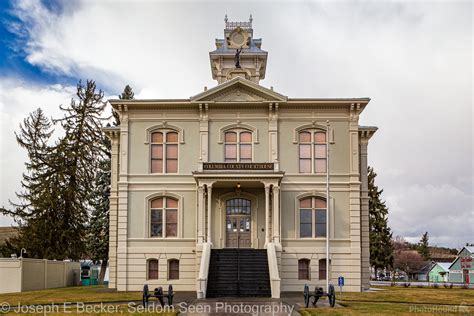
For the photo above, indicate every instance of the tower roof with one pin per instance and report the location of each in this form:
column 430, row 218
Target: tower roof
column 238, row 40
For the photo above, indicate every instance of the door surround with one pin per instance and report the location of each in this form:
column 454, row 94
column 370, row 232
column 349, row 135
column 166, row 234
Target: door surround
column 223, row 216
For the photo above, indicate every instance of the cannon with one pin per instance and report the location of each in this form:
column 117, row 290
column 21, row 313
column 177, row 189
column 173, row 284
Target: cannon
column 158, row 293
column 318, row 293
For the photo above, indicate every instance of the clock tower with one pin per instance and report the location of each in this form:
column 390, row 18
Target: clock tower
column 238, row 54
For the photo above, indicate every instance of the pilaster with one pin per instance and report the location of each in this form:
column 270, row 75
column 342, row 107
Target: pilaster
column 122, row 219
column 273, row 134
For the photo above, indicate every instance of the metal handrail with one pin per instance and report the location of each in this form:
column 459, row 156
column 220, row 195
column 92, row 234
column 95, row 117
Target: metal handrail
column 238, row 264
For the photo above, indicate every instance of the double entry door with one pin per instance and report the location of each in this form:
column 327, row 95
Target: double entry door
column 238, row 223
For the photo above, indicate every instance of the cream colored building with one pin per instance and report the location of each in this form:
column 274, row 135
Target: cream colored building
column 238, row 165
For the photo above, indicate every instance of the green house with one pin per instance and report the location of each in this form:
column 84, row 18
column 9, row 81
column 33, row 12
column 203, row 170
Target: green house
column 462, row 268
column 439, row 272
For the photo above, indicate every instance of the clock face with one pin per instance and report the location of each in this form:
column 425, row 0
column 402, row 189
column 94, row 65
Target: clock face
column 238, row 38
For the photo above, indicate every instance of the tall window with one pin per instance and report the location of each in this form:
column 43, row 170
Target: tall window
column 312, row 217
column 164, row 151
column 173, row 269
column 312, row 151
column 238, row 146
column 152, row 269
column 303, row 269
column 322, row 269
column 164, row 217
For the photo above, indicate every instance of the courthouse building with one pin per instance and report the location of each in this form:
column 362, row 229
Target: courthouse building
column 224, row 193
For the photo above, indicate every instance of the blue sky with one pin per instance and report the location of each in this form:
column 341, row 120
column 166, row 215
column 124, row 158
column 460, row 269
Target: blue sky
column 13, row 61
column 414, row 59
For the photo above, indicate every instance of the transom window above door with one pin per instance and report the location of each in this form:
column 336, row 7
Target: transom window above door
column 238, row 146
column 238, row 207
column 164, row 151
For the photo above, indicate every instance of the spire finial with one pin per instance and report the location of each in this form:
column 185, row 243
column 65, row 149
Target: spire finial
column 250, row 19
column 225, row 19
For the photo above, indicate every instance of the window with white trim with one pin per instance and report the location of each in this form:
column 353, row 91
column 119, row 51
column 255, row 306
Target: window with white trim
column 164, row 151
column 164, row 217
column 312, row 151
column 312, row 217
column 238, row 146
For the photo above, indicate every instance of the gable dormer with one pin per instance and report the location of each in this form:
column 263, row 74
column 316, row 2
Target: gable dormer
column 239, row 90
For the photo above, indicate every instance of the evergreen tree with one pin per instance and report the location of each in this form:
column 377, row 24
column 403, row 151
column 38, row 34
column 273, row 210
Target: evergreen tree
column 98, row 241
column 38, row 213
column 381, row 247
column 423, row 247
column 59, row 183
column 127, row 94
column 79, row 156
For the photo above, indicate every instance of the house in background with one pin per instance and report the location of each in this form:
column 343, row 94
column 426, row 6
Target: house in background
column 421, row 274
column 462, row 270
column 439, row 272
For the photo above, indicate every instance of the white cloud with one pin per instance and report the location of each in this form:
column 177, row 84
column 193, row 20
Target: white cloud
column 413, row 59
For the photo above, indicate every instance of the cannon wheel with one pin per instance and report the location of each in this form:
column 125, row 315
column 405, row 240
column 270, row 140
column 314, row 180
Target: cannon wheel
column 306, row 296
column 332, row 296
column 146, row 294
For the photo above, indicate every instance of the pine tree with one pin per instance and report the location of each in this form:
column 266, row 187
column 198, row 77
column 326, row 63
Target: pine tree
column 80, row 151
column 380, row 235
column 38, row 213
column 98, row 241
column 127, row 94
column 423, row 247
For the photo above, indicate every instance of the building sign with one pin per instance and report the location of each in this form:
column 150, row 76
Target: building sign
column 466, row 262
column 237, row 166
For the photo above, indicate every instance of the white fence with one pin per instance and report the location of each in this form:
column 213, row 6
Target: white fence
column 23, row 274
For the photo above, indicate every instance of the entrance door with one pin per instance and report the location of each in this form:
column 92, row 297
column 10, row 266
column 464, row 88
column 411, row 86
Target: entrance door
column 238, row 223
column 465, row 273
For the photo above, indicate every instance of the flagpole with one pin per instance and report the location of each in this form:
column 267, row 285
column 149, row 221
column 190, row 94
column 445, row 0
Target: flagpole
column 327, row 206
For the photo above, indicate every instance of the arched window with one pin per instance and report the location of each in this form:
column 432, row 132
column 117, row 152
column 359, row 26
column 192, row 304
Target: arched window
column 312, row 217
column 173, row 269
column 303, row 269
column 164, row 151
column 312, row 151
column 164, row 217
column 152, row 269
column 238, row 146
column 322, row 269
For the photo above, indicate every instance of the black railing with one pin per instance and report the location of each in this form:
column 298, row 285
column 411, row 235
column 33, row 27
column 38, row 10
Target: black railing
column 238, row 264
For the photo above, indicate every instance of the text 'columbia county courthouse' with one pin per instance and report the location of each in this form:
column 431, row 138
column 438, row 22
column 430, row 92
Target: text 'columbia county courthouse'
column 224, row 193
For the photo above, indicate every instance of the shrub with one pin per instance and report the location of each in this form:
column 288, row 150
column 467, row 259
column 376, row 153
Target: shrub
column 465, row 286
column 392, row 283
column 435, row 285
column 445, row 285
column 451, row 285
column 406, row 284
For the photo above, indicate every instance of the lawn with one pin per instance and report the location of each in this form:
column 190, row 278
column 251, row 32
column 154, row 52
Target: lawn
column 70, row 294
column 402, row 301
column 391, row 300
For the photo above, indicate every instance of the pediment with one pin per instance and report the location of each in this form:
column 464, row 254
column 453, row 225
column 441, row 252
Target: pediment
column 239, row 90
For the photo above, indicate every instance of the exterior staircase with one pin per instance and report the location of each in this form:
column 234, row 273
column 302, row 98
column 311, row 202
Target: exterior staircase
column 238, row 273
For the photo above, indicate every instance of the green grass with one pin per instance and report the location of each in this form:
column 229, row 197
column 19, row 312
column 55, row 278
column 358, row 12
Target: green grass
column 391, row 300
column 355, row 308
column 454, row 296
column 401, row 301
column 96, row 293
